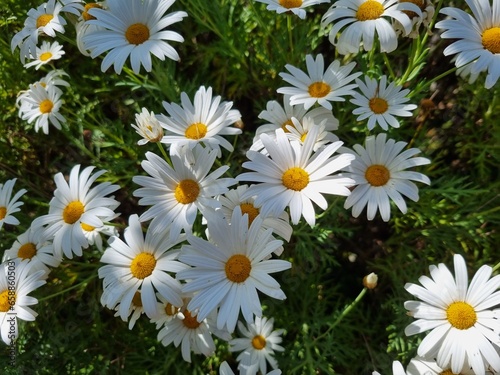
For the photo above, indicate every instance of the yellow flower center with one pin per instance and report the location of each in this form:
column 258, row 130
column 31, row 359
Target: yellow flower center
column 303, row 137
column 5, row 304
column 46, row 106
column 369, row 10
column 447, row 372
column 238, row 268
column 137, row 33
column 190, row 321
column 250, row 210
column 85, row 14
column 45, row 56
column 290, row 3
column 319, row 89
column 43, row 20
column 378, row 105
column 3, row 212
column 419, row 3
column 72, row 212
column 27, row 251
column 461, row 315
column 491, row 39
column 196, row 131
column 187, row 191
column 143, row 265
column 287, row 123
column 377, row 175
column 259, row 342
column 136, row 300
column 170, row 309
column 86, row 227
column 295, row 179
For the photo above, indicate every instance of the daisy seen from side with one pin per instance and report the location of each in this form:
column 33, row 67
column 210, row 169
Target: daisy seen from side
column 258, row 345
column 46, row 53
column 148, row 127
column 462, row 318
column 293, row 176
column 228, row 270
column 132, row 28
column 380, row 176
column 478, row 38
column 9, row 204
column 73, row 205
column 363, row 19
column 379, row 102
column 296, row 7
column 144, row 264
column 319, row 86
column 177, row 193
column 203, row 120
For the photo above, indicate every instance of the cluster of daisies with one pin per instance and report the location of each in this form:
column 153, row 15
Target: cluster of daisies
column 195, row 261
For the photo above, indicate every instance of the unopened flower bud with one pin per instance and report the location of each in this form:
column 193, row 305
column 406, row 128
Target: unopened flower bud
column 370, row 281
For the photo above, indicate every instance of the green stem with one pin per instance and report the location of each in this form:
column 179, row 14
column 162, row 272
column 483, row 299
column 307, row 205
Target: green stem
column 70, row 288
column 290, row 34
column 164, row 153
column 389, row 67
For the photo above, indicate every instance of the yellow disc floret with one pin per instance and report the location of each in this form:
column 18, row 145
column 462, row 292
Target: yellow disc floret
column 137, row 33
column 377, row 175
column 319, row 89
column 461, row 315
column 287, row 123
column 238, row 268
column 187, row 191
column 46, row 106
column 259, row 342
column 143, row 265
column 3, row 212
column 27, row 251
column 190, row 321
column 295, row 179
column 378, row 105
column 72, row 212
column 290, row 3
column 5, row 302
column 491, row 39
column 45, row 56
column 250, row 210
column 369, row 10
column 196, row 131
column 136, row 300
column 87, row 228
column 85, row 14
column 43, row 20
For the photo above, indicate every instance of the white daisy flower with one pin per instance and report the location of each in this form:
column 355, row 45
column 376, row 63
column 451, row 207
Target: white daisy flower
column 9, row 205
column 16, row 282
column 204, row 121
column 32, row 247
column 365, row 18
column 299, row 131
column 165, row 312
column 83, row 27
column 94, row 234
column 225, row 369
column 133, row 28
column 292, row 176
column 319, row 86
column 46, row 53
column 42, row 105
column 479, row 37
column 148, row 127
column 294, row 6
column 379, row 173
column 281, row 117
column 141, row 263
column 193, row 336
column 73, row 205
column 53, row 79
column 45, row 19
column 177, row 193
column 260, row 342
column 422, row 366
column 463, row 318
column 75, row 7
column 133, row 309
column 228, row 270
column 379, row 103
column 397, row 369
column 428, row 10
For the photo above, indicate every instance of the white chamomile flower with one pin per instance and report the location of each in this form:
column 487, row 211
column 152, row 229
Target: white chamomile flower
column 299, row 131
column 479, row 37
column 462, row 317
column 422, row 366
column 42, row 106
column 281, row 117
column 379, row 103
column 148, row 127
column 142, row 264
column 83, row 27
column 16, row 282
column 294, row 6
column 46, row 53
column 45, row 19
column 319, row 86
column 165, row 312
column 130, row 309
column 204, row 120
column 397, row 369
column 227, row 271
column 428, row 10
column 365, row 18
column 9, row 205
column 75, row 204
column 178, row 192
column 292, row 176
column 94, row 234
column 35, row 249
column 379, row 173
column 258, row 345
column 132, row 28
